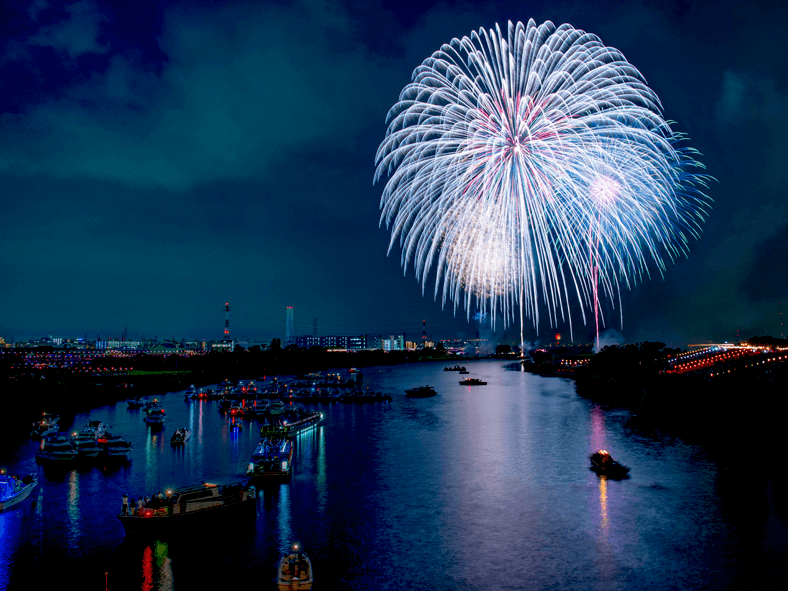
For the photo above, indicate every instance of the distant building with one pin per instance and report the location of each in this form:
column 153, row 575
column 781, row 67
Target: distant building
column 289, row 335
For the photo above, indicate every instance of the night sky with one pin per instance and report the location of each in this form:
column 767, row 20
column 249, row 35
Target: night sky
column 158, row 159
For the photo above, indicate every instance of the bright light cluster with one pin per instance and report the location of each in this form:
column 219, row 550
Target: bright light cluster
column 532, row 168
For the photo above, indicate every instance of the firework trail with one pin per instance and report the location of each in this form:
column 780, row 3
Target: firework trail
column 533, row 170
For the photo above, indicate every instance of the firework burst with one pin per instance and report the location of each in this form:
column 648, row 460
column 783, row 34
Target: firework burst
column 535, row 169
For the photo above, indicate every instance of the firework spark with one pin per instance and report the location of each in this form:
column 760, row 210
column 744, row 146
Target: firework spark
column 533, row 170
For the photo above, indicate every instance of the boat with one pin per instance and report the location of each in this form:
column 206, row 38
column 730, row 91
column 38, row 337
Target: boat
column 295, row 570
column 455, row 368
column 14, row 490
column 472, row 382
column 273, row 458
column 235, row 423
column 155, row 416
column 603, row 463
column 421, row 392
column 151, row 404
column 57, row 449
column 190, row 391
column 134, row 403
column 115, row 447
column 464, row 371
column 276, row 407
column 196, row 505
column 292, row 423
column 236, row 410
column 180, row 436
column 85, row 440
column 46, row 425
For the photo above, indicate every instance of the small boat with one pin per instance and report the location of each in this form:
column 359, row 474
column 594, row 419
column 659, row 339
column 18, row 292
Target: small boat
column 46, row 425
column 421, row 392
column 57, row 449
column 155, row 416
column 472, row 382
column 464, row 371
column 14, row 489
column 201, row 505
column 180, row 436
column 455, row 368
column 236, row 410
column 134, row 403
column 190, row 391
column 295, row 570
column 603, row 463
column 235, row 423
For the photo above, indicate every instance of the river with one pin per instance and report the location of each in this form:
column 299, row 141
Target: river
column 482, row 487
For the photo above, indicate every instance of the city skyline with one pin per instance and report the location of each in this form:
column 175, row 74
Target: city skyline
column 160, row 159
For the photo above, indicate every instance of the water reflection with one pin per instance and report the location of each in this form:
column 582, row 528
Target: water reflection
column 604, row 524
column 156, row 566
column 73, row 509
column 284, row 519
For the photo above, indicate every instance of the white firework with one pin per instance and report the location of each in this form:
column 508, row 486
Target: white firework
column 533, row 169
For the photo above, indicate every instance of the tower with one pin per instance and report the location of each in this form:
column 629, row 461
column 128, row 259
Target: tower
column 227, row 322
column 289, row 336
column 423, row 331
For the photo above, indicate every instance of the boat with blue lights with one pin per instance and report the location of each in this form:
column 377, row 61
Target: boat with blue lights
column 272, row 459
column 15, row 489
column 291, row 423
column 196, row 505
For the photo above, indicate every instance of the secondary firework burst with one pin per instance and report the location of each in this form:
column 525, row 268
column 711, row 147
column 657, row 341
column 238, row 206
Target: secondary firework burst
column 535, row 170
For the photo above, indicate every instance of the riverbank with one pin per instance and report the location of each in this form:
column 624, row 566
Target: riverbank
column 735, row 416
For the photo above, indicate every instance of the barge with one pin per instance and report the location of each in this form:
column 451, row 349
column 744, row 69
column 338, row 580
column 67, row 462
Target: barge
column 196, row 505
column 291, row 423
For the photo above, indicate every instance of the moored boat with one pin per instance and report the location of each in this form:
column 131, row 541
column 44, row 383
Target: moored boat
column 195, row 505
column 14, row 490
column 455, row 368
column 135, row 402
column 292, row 423
column 420, row 392
column 294, row 572
column 603, row 463
column 57, row 449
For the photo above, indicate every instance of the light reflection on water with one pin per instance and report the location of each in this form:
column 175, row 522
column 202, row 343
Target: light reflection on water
column 481, row 487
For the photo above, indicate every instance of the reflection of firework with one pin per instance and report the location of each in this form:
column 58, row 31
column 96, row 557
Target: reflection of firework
column 532, row 168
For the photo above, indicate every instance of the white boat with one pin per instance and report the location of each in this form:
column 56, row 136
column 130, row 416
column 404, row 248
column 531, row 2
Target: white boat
column 276, row 407
column 135, row 402
column 14, row 489
column 58, row 448
column 295, row 571
column 46, row 425
column 115, row 447
column 190, row 391
column 180, row 436
column 85, row 440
